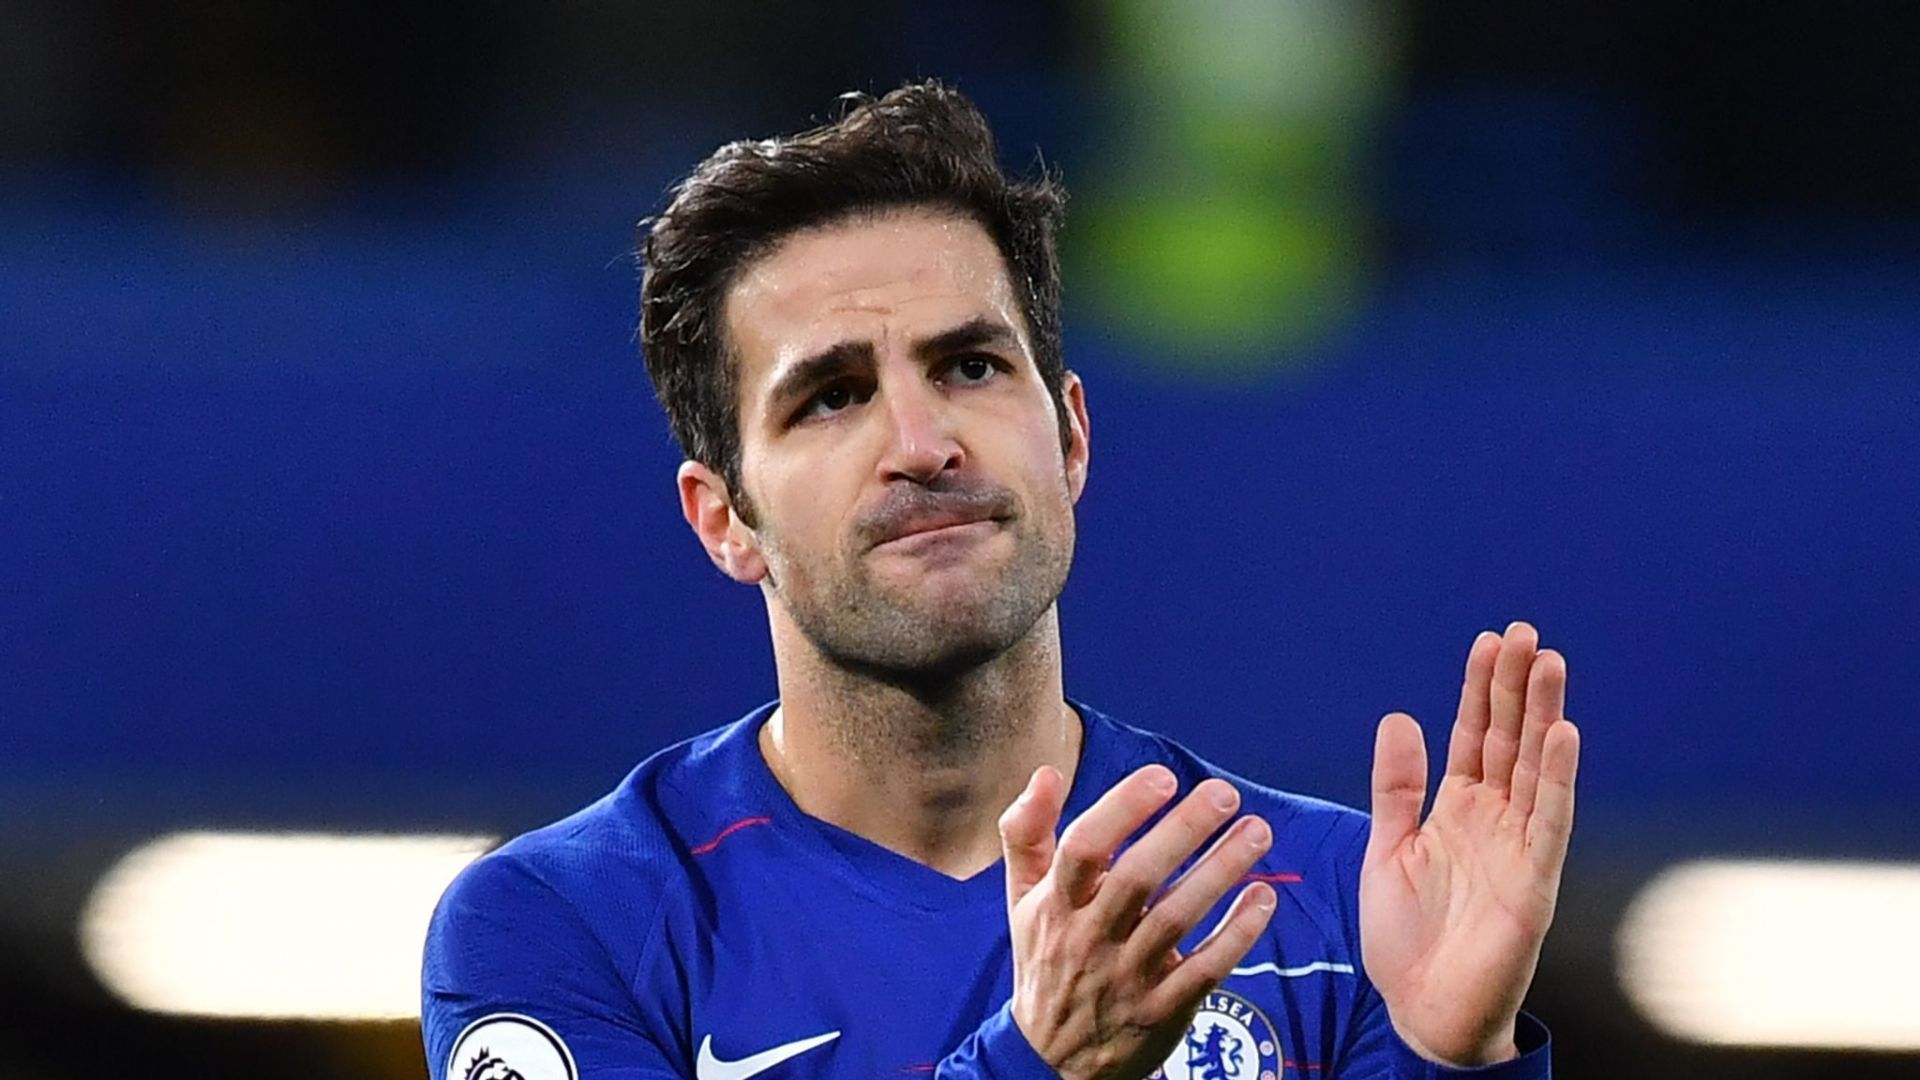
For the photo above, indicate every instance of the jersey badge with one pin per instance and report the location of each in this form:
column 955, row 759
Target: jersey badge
column 509, row 1046
column 1229, row 1039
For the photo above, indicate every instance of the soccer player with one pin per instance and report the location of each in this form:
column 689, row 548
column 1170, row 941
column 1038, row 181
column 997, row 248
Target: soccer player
column 924, row 859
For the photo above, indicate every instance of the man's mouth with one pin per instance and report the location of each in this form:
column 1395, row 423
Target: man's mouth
column 961, row 508
column 933, row 526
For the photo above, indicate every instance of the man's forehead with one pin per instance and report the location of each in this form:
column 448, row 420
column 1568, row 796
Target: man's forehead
column 903, row 272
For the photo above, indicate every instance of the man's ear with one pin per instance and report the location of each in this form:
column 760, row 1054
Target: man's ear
column 1073, row 394
column 708, row 508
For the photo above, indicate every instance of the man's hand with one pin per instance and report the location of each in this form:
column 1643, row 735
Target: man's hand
column 1453, row 911
column 1099, row 987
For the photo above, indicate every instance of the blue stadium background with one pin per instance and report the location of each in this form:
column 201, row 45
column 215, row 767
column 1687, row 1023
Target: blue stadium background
column 332, row 493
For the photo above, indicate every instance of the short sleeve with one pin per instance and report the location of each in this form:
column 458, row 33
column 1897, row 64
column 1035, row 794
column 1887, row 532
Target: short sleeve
column 515, row 983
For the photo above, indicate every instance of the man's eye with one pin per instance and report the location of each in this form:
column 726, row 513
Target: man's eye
column 975, row 368
column 828, row 401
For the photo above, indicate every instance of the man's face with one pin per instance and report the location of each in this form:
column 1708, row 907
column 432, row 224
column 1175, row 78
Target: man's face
column 914, row 506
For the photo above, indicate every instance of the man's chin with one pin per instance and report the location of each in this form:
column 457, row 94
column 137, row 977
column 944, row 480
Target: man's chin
column 964, row 613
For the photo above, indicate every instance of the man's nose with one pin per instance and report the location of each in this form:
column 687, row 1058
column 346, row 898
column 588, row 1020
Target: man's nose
column 921, row 442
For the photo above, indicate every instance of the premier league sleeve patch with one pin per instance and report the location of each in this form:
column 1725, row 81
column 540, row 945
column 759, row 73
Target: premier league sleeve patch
column 1229, row 1039
column 508, row 1046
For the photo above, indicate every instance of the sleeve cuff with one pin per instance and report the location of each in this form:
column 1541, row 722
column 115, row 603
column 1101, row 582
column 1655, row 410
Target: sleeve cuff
column 997, row 1050
column 1530, row 1036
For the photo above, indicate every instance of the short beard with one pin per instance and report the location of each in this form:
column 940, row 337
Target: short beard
column 863, row 630
column 925, row 651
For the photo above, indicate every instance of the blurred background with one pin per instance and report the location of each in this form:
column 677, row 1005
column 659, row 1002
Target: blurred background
column 337, row 535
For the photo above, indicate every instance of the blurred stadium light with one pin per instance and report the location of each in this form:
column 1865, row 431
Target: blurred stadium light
column 308, row 926
column 1233, row 234
column 1778, row 953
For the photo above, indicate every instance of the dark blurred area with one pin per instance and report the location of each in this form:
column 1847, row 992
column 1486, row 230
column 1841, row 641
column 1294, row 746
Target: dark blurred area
column 1732, row 114
column 332, row 497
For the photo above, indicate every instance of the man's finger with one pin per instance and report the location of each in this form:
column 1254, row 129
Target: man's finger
column 1087, row 848
column 1552, row 822
column 1509, row 697
column 1213, row 959
column 1187, row 901
column 1546, row 705
column 1470, row 724
column 1026, row 831
column 1145, row 867
column 1399, row 783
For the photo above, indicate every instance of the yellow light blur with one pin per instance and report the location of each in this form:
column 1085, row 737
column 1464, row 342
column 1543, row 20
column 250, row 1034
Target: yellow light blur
column 1778, row 953
column 271, row 925
column 1225, row 227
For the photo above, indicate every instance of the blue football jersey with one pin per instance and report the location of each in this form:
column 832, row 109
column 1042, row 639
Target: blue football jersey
column 695, row 924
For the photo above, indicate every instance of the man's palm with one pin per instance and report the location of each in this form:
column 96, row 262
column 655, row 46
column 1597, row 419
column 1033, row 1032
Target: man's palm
column 1453, row 911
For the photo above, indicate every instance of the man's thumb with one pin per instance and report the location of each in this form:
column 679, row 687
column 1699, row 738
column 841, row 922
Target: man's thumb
column 1027, row 832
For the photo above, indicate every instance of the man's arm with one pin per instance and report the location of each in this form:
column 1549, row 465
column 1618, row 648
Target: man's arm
column 513, row 979
column 1453, row 912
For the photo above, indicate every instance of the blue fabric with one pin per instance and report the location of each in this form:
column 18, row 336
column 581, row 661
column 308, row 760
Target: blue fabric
column 995, row 1051
column 697, row 906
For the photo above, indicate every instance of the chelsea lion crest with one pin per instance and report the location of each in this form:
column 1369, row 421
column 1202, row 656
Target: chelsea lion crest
column 1229, row 1039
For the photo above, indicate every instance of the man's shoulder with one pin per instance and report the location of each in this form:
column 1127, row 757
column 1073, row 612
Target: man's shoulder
column 565, row 917
column 633, row 842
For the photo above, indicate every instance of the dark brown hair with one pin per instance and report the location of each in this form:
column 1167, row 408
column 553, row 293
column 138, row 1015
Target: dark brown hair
column 923, row 144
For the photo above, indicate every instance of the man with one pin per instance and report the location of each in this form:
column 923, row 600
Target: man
column 855, row 333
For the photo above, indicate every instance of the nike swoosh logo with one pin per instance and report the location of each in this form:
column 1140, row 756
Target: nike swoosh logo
column 709, row 1067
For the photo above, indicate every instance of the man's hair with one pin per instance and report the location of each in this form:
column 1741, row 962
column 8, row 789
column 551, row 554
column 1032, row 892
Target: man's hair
column 922, row 145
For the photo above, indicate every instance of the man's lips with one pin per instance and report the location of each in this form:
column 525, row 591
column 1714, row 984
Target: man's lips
column 959, row 501
column 933, row 523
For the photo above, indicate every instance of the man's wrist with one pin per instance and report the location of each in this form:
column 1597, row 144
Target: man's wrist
column 1498, row 1047
column 1531, row 1041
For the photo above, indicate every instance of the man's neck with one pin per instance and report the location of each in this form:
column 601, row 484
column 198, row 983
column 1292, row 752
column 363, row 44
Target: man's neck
column 924, row 769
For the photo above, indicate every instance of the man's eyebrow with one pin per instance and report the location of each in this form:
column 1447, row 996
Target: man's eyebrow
column 800, row 377
column 803, row 375
column 972, row 334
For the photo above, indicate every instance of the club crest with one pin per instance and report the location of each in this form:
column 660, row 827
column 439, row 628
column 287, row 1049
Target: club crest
column 1229, row 1039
